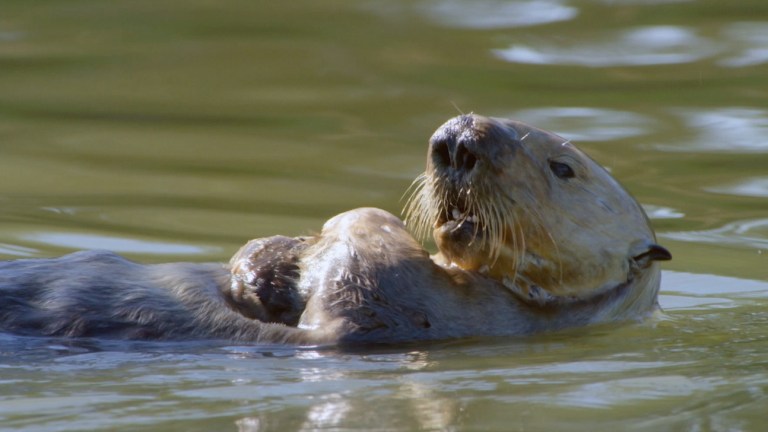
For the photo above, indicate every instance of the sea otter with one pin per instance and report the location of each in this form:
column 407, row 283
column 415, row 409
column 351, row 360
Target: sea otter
column 532, row 236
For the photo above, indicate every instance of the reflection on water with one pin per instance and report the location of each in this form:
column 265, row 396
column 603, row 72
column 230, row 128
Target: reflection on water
column 488, row 14
column 431, row 410
column 746, row 233
column 17, row 251
column 741, row 44
column 327, row 414
column 755, row 187
column 613, row 393
column 115, row 244
column 653, row 45
column 587, row 124
column 658, row 212
column 750, row 44
column 728, row 129
column 699, row 286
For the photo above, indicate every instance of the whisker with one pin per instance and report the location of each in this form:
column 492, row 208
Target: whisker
column 491, row 210
column 418, row 210
column 457, row 108
column 415, row 185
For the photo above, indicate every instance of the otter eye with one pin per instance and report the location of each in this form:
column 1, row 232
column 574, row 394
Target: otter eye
column 561, row 170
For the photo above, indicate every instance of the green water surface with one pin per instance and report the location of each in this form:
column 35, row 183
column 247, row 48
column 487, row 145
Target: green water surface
column 177, row 130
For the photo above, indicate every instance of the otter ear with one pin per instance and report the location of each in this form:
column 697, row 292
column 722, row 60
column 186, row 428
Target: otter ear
column 654, row 252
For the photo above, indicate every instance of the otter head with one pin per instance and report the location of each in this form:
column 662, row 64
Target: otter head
column 528, row 208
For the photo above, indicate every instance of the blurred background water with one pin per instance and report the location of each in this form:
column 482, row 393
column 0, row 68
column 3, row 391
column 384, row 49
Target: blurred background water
column 177, row 130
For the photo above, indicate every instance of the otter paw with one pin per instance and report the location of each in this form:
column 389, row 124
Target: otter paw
column 264, row 275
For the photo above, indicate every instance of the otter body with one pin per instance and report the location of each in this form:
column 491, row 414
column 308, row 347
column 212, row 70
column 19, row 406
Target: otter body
column 100, row 294
column 532, row 235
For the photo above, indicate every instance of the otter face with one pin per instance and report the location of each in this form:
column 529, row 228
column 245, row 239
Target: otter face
column 528, row 208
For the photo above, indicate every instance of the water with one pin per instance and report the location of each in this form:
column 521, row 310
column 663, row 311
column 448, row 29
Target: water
column 178, row 130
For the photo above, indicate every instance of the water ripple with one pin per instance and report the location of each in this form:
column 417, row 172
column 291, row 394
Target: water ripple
column 658, row 212
column 750, row 43
column 707, row 286
column 755, row 187
column 641, row 46
column 631, row 390
column 17, row 251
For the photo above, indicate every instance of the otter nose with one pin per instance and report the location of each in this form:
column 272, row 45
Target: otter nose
column 453, row 153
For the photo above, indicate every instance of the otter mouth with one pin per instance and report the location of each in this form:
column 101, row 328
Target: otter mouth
column 458, row 215
column 470, row 223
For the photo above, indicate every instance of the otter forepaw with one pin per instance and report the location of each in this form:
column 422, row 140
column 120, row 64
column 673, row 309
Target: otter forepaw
column 264, row 275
